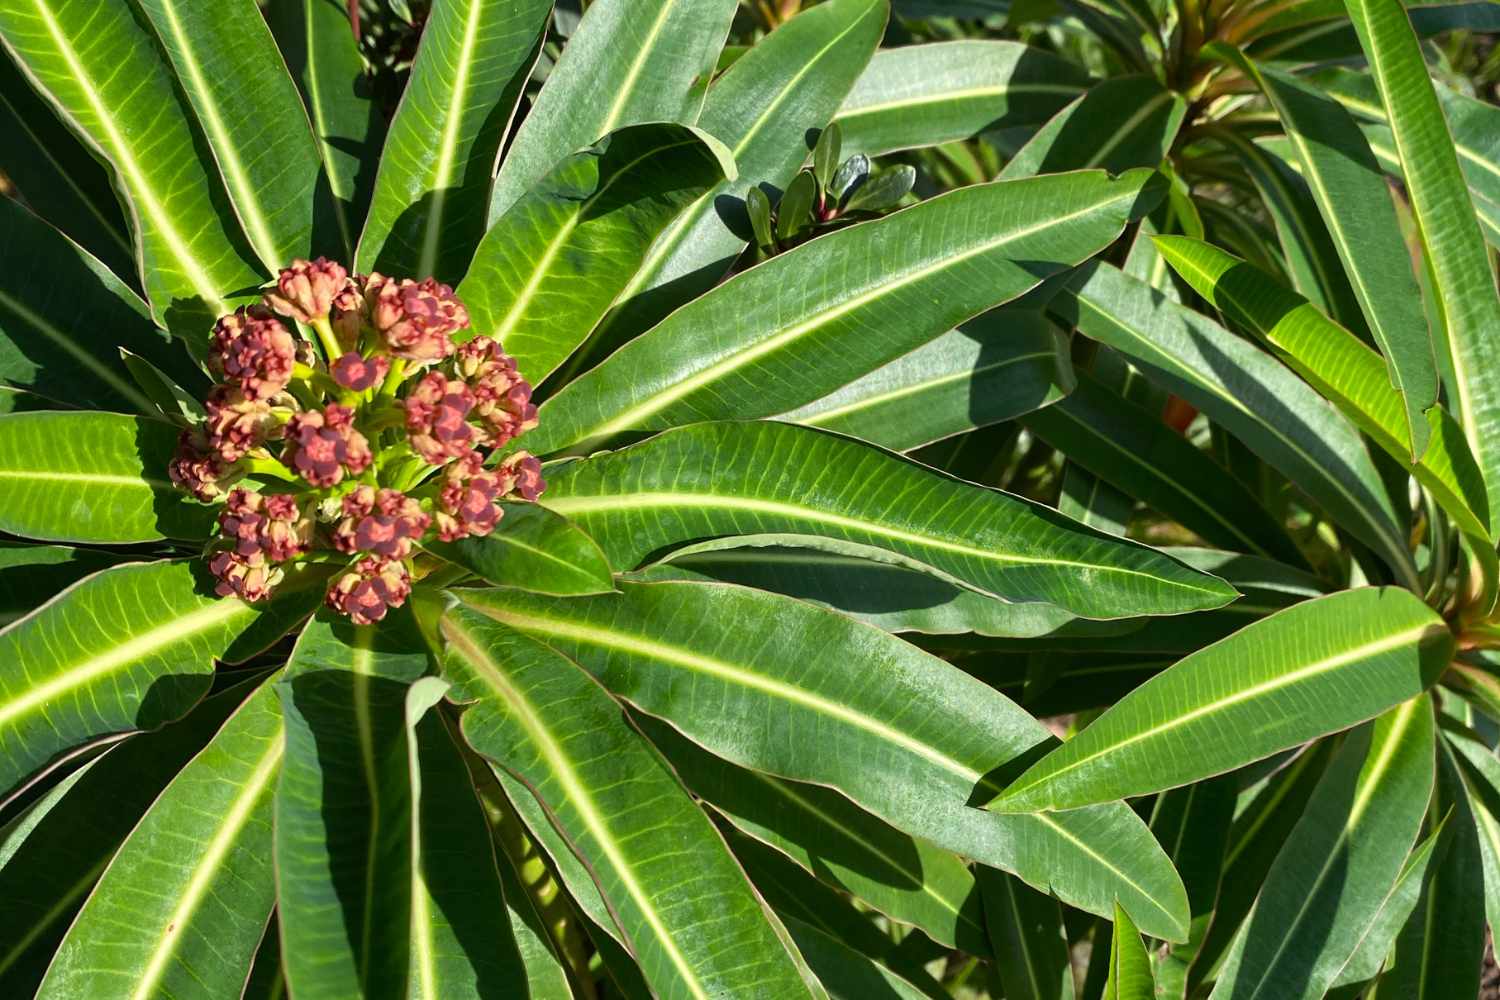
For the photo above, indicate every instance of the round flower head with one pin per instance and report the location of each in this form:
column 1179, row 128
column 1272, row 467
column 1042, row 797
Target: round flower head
column 467, row 501
column 306, row 290
column 237, row 422
column 437, row 410
column 198, row 470
column 248, row 578
column 502, row 398
column 324, row 446
column 253, row 352
column 385, row 522
column 357, row 372
column 524, row 475
column 259, row 524
column 369, row 589
column 417, row 319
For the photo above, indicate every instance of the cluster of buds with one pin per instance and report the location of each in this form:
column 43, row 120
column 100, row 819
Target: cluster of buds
column 358, row 450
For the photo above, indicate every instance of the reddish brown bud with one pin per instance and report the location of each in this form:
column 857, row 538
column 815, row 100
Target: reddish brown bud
column 525, row 475
column 271, row 525
column 248, row 578
column 347, row 314
column 198, row 470
column 237, row 422
column 417, row 319
column 252, row 351
column 502, row 398
column 369, row 589
column 384, row 522
column 354, row 371
column 437, row 409
column 306, row 290
column 324, row 446
column 466, row 502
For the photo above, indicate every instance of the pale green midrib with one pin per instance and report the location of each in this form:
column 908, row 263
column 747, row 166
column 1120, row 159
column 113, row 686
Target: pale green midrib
column 822, row 417
column 421, row 909
column 729, row 673
column 85, row 477
column 847, row 112
column 1022, row 937
column 125, row 654
column 60, row 906
column 320, row 123
column 1372, row 111
column 247, row 200
column 1328, row 663
column 361, row 662
column 585, row 504
column 1368, row 786
column 442, row 170
column 1129, row 125
column 93, row 364
column 637, row 66
column 578, row 795
column 152, row 207
column 751, row 352
column 209, row 866
column 1292, row 41
column 1102, row 861
column 1282, row 790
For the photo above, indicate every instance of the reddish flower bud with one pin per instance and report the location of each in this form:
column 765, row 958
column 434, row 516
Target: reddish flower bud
column 437, row 409
column 198, row 470
column 238, row 422
column 248, row 578
column 416, row 318
column 306, row 290
column 386, row 523
column 323, row 446
column 270, row 525
column 369, row 589
column 253, row 352
column 502, row 398
column 524, row 473
column 354, row 371
column 347, row 314
column 466, row 502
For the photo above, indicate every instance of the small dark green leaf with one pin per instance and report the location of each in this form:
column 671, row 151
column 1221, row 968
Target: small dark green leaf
column 883, row 190
column 794, row 213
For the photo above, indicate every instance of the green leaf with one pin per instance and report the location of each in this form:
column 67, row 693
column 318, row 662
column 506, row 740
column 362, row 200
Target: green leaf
column 827, row 155
column 593, row 772
column 49, row 863
column 912, row 749
column 628, row 61
column 1334, row 38
column 180, row 910
column 1341, row 171
column 92, row 477
column 1340, row 863
column 58, row 177
column 533, row 549
column 1132, row 449
column 427, row 213
column 267, row 980
column 906, row 878
column 550, row 267
column 758, row 206
column 251, row 115
column 66, row 345
column 995, row 367
column 323, row 56
column 1480, row 771
column 776, row 325
column 344, row 810
column 756, row 478
column 131, row 647
column 1318, row 667
column 1192, row 823
column 929, row 94
column 31, row 575
column 794, row 211
column 1457, row 258
column 1375, row 946
column 102, row 70
column 1275, row 414
column 1129, row 965
column 846, row 973
column 1350, row 374
column 1148, row 117
column 881, row 191
column 170, row 401
column 1031, row 947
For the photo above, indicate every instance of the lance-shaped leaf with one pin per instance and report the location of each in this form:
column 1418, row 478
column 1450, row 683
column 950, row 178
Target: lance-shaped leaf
column 1316, row 667
column 904, row 877
column 628, row 61
column 1462, row 277
column 533, row 549
column 1129, row 965
column 1341, row 171
column 995, row 367
column 549, row 268
column 428, row 210
column 322, row 54
column 1332, row 37
column 181, row 908
column 763, row 108
column 754, row 478
column 1347, row 372
column 1273, row 412
column 129, row 648
column 926, row 95
column 593, row 773
column 252, row 116
column 914, row 758
column 461, row 943
column 92, row 477
column 1142, row 118
column 58, row 176
column 1031, row 947
column 101, row 68
column 30, row 575
column 343, row 808
column 1375, row 946
column 48, row 866
column 1480, row 771
column 51, row 343
column 847, row 974
column 801, row 325
column 1341, row 861
column 1132, row 448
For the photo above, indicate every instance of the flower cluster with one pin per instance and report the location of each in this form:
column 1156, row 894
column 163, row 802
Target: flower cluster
column 358, row 450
